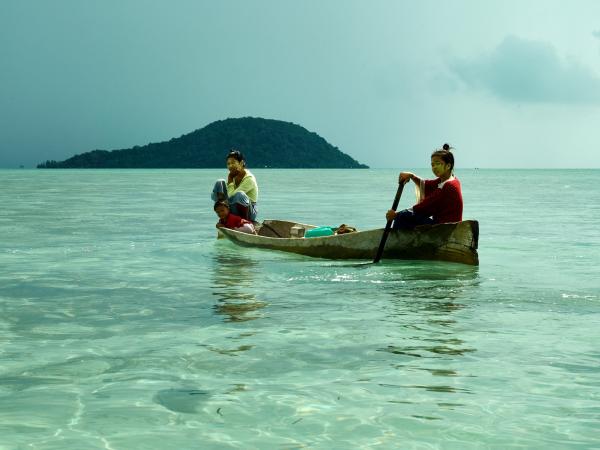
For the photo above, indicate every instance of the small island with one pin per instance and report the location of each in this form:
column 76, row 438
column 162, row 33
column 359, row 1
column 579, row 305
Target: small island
column 266, row 143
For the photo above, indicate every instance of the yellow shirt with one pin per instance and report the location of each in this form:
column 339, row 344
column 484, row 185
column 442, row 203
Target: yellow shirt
column 248, row 185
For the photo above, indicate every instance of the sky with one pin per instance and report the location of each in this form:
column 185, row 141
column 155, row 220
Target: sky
column 509, row 84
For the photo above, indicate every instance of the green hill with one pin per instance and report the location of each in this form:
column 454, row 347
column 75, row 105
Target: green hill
column 264, row 142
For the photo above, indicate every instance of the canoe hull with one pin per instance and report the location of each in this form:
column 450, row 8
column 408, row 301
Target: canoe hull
column 455, row 242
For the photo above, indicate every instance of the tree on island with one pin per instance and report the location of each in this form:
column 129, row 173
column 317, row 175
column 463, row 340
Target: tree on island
column 264, row 142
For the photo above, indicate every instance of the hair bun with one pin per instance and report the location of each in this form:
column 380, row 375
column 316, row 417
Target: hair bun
column 446, row 147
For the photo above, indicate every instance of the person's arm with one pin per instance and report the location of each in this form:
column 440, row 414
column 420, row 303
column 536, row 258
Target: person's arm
column 419, row 184
column 390, row 214
column 435, row 199
column 430, row 205
column 406, row 176
column 234, row 181
column 247, row 185
column 230, row 188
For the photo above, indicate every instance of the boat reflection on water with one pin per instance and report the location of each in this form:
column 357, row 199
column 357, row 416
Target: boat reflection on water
column 427, row 307
column 439, row 283
column 234, row 287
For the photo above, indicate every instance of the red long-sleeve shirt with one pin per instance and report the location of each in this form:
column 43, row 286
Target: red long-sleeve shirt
column 232, row 221
column 443, row 204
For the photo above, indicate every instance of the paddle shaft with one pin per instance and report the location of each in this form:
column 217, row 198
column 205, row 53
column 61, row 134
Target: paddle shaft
column 388, row 225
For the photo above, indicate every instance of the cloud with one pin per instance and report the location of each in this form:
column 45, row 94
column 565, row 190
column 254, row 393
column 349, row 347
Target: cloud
column 520, row 70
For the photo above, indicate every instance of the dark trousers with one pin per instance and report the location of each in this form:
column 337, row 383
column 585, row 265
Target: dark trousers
column 407, row 220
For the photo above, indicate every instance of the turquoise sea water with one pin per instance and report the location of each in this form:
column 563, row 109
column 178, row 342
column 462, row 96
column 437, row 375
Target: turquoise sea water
column 124, row 323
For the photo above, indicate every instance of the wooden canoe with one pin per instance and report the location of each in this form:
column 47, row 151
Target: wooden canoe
column 455, row 242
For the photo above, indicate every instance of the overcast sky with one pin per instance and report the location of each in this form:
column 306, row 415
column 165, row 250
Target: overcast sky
column 510, row 84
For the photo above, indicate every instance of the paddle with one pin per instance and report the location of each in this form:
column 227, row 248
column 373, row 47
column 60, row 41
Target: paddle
column 388, row 225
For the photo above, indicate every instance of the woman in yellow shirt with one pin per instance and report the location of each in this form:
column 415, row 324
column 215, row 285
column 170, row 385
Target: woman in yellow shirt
column 240, row 190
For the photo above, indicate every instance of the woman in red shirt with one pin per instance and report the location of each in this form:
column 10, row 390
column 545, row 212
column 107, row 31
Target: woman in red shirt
column 438, row 200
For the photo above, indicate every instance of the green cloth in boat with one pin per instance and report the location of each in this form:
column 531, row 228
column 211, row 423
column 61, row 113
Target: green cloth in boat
column 320, row 231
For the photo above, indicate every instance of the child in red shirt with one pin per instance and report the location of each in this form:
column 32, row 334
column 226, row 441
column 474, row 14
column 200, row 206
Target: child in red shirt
column 438, row 200
column 228, row 220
